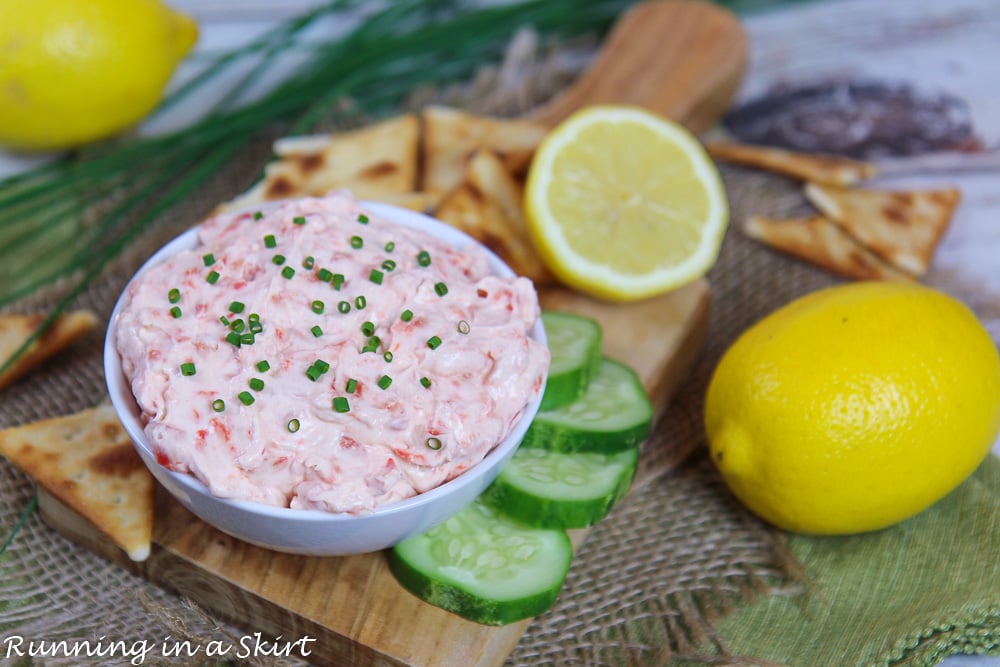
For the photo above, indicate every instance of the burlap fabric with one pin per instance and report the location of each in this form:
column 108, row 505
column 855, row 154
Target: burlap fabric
column 646, row 586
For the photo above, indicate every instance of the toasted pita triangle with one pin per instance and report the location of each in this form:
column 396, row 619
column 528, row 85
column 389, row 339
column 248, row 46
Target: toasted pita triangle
column 87, row 461
column 16, row 329
column 827, row 169
column 902, row 227
column 819, row 241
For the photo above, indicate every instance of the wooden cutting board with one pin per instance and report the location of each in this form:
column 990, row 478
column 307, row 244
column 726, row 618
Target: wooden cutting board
column 682, row 59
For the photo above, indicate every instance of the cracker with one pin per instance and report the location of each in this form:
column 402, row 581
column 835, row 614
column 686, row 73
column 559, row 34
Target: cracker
column 902, row 227
column 87, row 461
column 16, row 329
column 826, row 169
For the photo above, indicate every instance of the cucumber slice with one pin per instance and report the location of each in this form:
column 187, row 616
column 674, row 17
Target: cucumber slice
column 613, row 415
column 549, row 489
column 575, row 344
column 484, row 566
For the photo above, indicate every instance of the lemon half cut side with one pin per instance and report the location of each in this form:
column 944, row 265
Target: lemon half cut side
column 623, row 204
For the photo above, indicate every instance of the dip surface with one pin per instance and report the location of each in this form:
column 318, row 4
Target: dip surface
column 315, row 356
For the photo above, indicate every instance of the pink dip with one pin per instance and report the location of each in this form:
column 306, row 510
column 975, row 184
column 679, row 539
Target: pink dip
column 394, row 440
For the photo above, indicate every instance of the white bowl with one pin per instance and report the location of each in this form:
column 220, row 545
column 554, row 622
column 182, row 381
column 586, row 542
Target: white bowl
column 313, row 532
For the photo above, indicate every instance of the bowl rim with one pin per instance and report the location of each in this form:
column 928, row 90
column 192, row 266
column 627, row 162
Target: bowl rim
column 123, row 401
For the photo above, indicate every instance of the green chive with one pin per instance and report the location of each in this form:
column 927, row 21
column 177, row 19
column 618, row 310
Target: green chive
column 433, row 443
column 357, row 242
column 352, row 384
column 321, row 365
column 218, row 405
column 258, row 215
column 174, row 295
column 238, row 326
column 338, row 280
column 247, row 338
column 376, row 276
column 293, row 425
column 344, row 307
column 433, row 342
column 309, row 262
column 278, row 259
column 441, row 289
column 256, row 327
column 209, row 259
column 188, row 369
column 212, row 277
column 316, row 331
column 388, row 265
column 424, row 258
column 256, row 384
column 387, row 356
column 406, row 315
column 224, row 320
column 368, row 328
column 390, row 246
column 463, row 327
column 363, row 219
column 175, row 312
column 384, row 382
column 263, row 366
column 340, row 404
column 233, row 338
column 325, row 275
column 246, row 398
column 426, row 382
column 253, row 317
column 318, row 307
column 236, row 307
column 270, row 241
column 360, row 302
column 287, row 272
column 299, row 220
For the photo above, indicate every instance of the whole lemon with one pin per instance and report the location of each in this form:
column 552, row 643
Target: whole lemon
column 76, row 71
column 854, row 407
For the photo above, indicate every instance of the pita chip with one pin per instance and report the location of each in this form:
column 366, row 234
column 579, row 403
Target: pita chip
column 826, row 169
column 451, row 137
column 87, row 461
column 16, row 329
column 902, row 227
column 819, row 241
column 487, row 205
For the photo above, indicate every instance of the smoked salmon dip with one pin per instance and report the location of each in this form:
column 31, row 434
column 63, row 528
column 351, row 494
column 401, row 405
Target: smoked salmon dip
column 313, row 355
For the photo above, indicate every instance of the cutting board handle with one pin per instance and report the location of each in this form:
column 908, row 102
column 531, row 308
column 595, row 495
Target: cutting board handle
column 683, row 59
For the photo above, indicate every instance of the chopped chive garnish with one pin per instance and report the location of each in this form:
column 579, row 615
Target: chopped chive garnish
column 270, row 241
column 340, row 404
column 253, row 317
column 256, row 384
column 293, row 425
column 287, row 272
column 387, row 356
column 463, row 327
column 344, row 307
column 317, row 331
column 338, row 280
column 212, row 277
column 368, row 328
column 309, row 262
column 209, row 259
column 299, row 220
column 433, row 342
column 390, row 246
column 263, row 366
column 424, row 258
column 174, row 295
column 406, row 315
column 233, row 338
column 247, row 338
column 246, row 398
column 224, row 320
column 433, row 443
column 313, row 373
column 357, row 242
column 325, row 275
column 175, row 312
column 441, row 289
column 363, row 219
column 376, row 276
column 388, row 265
column 278, row 259
column 257, row 215
column 256, row 327
column 426, row 381
column 321, row 365
column 188, row 369
column 384, row 381
column 236, row 307
column 318, row 307
column 218, row 405
column 352, row 385
column 360, row 302
column 238, row 326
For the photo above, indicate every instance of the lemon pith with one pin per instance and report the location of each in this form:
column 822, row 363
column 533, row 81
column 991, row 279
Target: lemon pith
column 624, row 204
column 854, row 408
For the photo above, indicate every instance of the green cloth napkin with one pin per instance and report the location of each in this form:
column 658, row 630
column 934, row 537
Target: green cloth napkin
column 907, row 595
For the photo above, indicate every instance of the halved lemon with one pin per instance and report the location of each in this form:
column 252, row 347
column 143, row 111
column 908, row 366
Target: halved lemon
column 624, row 204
